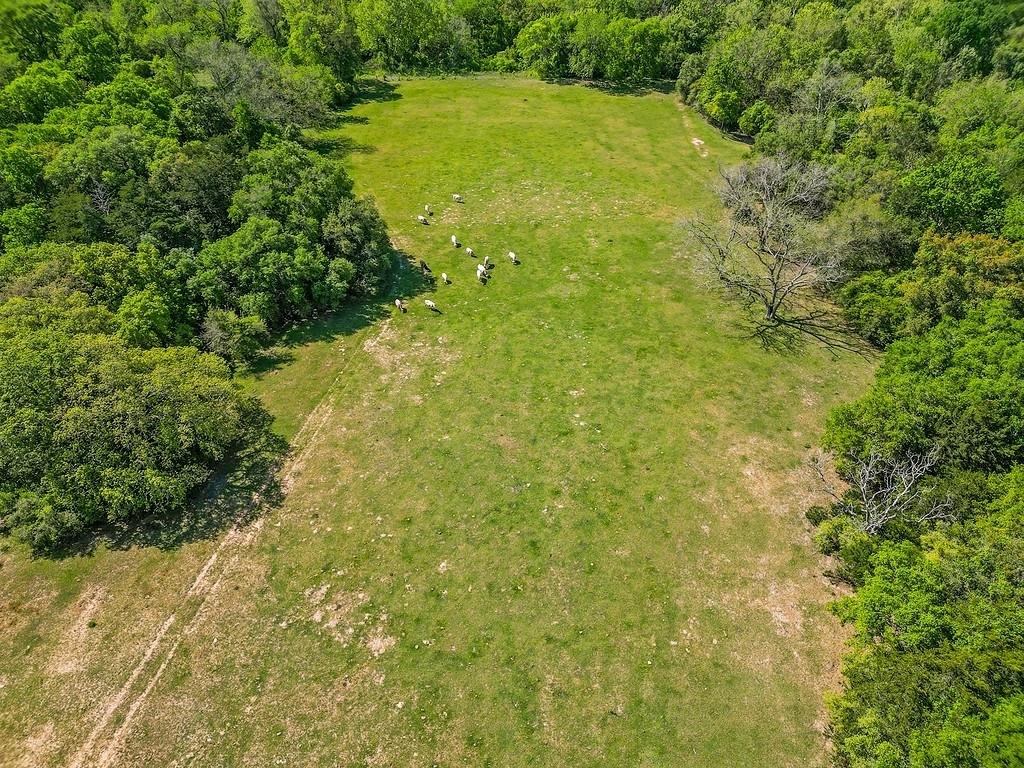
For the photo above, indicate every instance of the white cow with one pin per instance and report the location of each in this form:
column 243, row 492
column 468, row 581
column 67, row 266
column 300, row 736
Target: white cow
column 428, row 210
column 422, row 219
column 455, row 242
column 458, row 198
column 469, row 252
column 431, row 305
column 512, row 257
column 444, row 278
column 400, row 305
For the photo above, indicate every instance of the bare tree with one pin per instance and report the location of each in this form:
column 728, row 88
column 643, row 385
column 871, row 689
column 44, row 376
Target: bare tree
column 882, row 489
column 776, row 256
column 102, row 199
column 235, row 74
column 828, row 91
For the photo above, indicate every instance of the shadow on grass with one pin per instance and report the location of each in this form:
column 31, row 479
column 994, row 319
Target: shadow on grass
column 346, row 118
column 794, row 338
column 328, row 141
column 248, row 484
column 337, row 146
column 374, row 89
column 242, row 489
column 405, row 281
column 620, row 89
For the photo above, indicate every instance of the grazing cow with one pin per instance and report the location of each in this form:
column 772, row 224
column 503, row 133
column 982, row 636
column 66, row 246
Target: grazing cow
column 422, row 219
column 470, row 252
column 424, row 268
column 428, row 210
column 481, row 273
column 512, row 257
column 431, row 305
column 444, row 278
column 455, row 242
column 487, row 262
column 401, row 305
column 458, row 198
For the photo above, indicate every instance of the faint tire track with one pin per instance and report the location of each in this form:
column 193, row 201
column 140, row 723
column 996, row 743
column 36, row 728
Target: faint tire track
column 190, row 610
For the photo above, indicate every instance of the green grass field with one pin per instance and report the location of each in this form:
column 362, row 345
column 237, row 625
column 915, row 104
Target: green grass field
column 559, row 524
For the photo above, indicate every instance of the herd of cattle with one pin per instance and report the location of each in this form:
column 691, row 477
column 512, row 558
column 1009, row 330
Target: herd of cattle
column 483, row 269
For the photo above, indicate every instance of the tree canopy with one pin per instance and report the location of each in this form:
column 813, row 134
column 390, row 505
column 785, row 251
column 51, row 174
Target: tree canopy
column 159, row 216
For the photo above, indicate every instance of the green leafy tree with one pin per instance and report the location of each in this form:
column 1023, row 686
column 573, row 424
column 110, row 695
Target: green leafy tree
column 31, row 28
column 236, row 339
column 633, row 49
column 189, row 191
column 43, row 87
column 356, row 235
column 25, row 225
column 291, row 185
column 757, row 117
column 977, row 24
column 1013, row 220
column 544, row 46
column 93, row 431
column 261, row 270
column 392, row 29
column 957, row 193
column 143, row 319
column 21, row 172
column 953, row 390
column 89, row 49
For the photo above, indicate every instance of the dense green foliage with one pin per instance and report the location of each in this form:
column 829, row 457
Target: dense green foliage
column 155, row 203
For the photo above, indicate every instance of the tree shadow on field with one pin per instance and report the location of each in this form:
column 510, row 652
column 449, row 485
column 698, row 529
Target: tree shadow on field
column 248, row 484
column 337, row 146
column 795, row 338
column 241, row 489
column 374, row 89
column 346, row 118
column 621, row 89
column 404, row 281
column 330, row 142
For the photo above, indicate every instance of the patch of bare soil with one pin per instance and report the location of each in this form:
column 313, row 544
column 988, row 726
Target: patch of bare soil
column 552, row 734
column 16, row 614
column 37, row 747
column 795, row 609
column 378, row 643
column 337, row 615
column 788, row 492
column 399, row 361
column 69, row 656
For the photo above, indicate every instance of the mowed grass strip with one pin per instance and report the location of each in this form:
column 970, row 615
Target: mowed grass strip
column 557, row 524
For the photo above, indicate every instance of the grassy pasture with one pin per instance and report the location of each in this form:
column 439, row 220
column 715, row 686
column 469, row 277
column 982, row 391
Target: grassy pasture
column 557, row 524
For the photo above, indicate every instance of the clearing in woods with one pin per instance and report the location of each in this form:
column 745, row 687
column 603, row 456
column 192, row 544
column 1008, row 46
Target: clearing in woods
column 557, row 524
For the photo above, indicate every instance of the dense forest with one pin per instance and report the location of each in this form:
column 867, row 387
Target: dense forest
column 162, row 215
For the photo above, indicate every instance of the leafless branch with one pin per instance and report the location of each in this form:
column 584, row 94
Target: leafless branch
column 883, row 489
column 774, row 256
column 102, row 199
